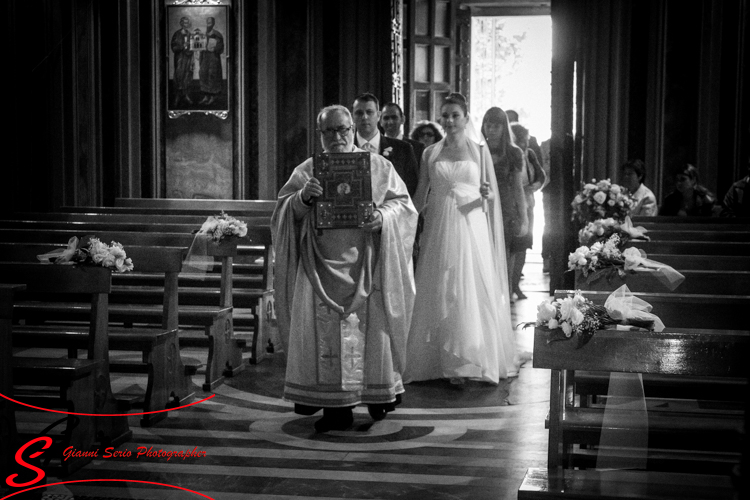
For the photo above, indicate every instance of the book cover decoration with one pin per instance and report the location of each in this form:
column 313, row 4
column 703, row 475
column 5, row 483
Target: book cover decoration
column 346, row 201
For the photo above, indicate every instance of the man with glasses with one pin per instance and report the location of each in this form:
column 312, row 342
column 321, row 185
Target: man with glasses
column 343, row 296
column 366, row 116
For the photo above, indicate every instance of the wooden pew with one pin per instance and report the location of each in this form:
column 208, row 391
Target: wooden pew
column 226, row 349
column 707, row 282
column 708, row 274
column 198, row 204
column 681, row 313
column 136, row 224
column 738, row 248
column 84, row 384
column 704, row 262
column 190, row 220
column 247, row 272
column 168, row 379
column 687, row 310
column 677, row 233
column 697, row 353
column 132, row 211
column 8, row 432
column 252, row 266
column 668, row 220
column 540, row 484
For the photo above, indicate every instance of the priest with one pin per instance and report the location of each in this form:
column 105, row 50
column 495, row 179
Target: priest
column 343, row 296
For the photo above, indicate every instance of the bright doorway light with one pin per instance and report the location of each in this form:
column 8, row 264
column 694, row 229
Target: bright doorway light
column 511, row 64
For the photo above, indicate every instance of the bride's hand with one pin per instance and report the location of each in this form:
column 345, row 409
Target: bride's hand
column 485, row 190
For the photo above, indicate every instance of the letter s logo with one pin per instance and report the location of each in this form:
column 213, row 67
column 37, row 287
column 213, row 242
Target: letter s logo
column 20, row 461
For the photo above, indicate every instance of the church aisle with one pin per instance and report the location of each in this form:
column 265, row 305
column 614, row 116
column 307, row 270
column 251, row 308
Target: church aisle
column 443, row 442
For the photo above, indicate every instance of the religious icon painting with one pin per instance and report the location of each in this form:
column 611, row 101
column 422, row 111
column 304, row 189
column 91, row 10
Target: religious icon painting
column 347, row 190
column 198, row 59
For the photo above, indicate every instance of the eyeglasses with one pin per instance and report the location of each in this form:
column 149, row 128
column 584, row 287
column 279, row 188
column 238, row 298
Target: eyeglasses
column 426, row 134
column 330, row 133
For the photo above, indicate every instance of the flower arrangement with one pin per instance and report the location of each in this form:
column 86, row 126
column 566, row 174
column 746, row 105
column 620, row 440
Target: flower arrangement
column 576, row 316
column 89, row 250
column 387, row 151
column 219, row 227
column 602, row 229
column 601, row 200
column 604, row 257
column 572, row 315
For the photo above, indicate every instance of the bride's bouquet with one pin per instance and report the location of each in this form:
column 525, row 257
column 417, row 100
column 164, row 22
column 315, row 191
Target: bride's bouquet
column 601, row 200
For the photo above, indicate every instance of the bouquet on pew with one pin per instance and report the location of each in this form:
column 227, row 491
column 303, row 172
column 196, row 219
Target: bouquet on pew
column 89, row 250
column 602, row 229
column 571, row 316
column 216, row 228
column 604, row 257
column 601, row 200
column 607, row 256
column 576, row 316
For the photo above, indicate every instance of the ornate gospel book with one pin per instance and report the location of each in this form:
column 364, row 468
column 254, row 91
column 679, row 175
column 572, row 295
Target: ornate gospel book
column 346, row 201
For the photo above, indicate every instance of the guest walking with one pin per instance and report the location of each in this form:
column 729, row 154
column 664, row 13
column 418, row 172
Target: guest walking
column 532, row 178
column 427, row 133
column 508, row 163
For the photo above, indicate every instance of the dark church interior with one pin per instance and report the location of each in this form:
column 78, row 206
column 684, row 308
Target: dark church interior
column 135, row 120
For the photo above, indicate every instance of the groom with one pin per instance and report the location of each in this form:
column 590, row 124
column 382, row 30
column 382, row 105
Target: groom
column 366, row 111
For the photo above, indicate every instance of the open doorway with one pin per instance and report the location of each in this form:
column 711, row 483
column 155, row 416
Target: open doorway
column 511, row 62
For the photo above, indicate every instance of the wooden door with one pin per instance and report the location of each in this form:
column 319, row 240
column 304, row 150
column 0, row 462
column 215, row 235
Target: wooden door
column 429, row 48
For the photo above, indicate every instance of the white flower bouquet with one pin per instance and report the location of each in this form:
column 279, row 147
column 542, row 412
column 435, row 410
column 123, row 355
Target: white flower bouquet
column 576, row 316
column 610, row 258
column 602, row 229
column 601, row 200
column 604, row 257
column 219, row 227
column 89, row 250
column 571, row 316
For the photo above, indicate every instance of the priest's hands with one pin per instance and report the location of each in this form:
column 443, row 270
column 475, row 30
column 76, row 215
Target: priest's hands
column 312, row 189
column 375, row 224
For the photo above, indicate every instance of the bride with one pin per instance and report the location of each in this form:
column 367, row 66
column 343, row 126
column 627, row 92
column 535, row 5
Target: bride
column 461, row 327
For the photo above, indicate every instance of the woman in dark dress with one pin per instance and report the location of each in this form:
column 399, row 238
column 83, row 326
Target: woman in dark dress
column 508, row 161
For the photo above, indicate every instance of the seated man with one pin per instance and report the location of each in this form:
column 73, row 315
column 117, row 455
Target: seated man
column 344, row 297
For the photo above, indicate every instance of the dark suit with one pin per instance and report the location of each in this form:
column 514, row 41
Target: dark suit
column 418, row 148
column 402, row 156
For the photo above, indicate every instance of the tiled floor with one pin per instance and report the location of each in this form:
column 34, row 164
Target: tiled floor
column 443, row 442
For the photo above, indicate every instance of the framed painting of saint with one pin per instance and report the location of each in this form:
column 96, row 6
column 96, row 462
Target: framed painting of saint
column 198, row 73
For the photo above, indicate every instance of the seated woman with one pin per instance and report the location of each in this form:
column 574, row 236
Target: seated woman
column 427, row 133
column 689, row 197
column 633, row 178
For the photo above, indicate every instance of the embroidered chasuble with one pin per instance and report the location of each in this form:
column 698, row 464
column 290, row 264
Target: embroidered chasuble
column 344, row 296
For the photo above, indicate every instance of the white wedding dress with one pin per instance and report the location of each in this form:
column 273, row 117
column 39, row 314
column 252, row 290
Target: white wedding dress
column 461, row 325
